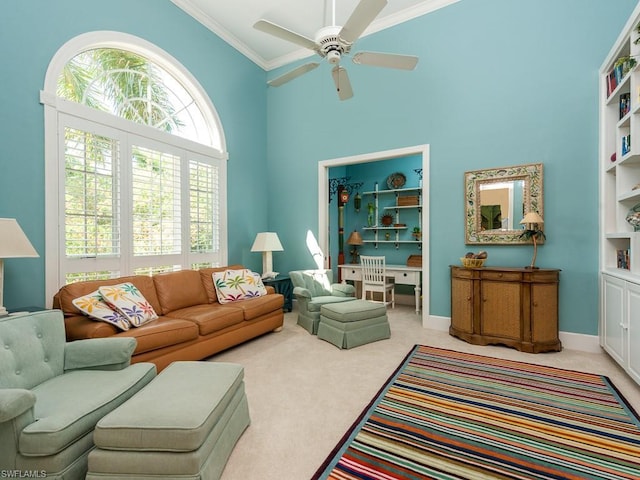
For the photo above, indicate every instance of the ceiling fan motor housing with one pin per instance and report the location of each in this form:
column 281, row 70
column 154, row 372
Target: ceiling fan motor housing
column 330, row 45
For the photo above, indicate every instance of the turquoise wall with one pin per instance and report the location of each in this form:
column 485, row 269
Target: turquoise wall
column 31, row 31
column 499, row 82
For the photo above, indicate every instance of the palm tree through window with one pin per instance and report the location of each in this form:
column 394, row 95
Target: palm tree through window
column 135, row 203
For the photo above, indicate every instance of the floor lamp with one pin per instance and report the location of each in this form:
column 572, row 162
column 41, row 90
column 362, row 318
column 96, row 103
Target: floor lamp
column 13, row 244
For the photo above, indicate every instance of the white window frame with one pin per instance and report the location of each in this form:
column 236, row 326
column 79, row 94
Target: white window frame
column 58, row 111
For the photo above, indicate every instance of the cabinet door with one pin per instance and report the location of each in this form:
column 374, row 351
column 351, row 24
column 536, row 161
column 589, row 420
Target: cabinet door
column 462, row 304
column 544, row 312
column 500, row 309
column 633, row 322
column 613, row 333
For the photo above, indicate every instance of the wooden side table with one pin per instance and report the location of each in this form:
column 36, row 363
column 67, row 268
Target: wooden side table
column 282, row 284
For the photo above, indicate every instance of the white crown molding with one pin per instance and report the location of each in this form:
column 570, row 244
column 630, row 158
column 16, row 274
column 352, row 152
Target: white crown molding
column 222, row 32
column 392, row 20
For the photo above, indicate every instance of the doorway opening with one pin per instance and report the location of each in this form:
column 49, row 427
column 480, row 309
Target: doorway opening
column 324, row 167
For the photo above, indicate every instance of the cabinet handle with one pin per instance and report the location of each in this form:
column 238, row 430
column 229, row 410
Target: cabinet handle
column 469, row 299
column 500, row 275
column 535, row 304
column 484, row 299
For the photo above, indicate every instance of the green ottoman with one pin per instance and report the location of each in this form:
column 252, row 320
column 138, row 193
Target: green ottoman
column 351, row 324
column 182, row 425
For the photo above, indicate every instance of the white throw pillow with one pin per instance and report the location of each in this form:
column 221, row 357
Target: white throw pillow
column 234, row 285
column 128, row 300
column 94, row 307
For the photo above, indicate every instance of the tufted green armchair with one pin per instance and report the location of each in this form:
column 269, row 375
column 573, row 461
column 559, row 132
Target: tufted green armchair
column 314, row 288
column 52, row 393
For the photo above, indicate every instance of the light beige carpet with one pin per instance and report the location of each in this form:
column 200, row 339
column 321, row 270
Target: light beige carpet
column 305, row 393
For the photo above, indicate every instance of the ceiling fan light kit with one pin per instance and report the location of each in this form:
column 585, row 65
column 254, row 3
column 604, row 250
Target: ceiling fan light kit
column 334, row 42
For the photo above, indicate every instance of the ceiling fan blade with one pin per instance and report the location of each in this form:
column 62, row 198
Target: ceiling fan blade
column 361, row 18
column 386, row 60
column 284, row 34
column 296, row 72
column 341, row 79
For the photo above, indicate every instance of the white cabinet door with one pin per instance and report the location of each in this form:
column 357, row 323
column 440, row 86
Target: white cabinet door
column 614, row 326
column 633, row 315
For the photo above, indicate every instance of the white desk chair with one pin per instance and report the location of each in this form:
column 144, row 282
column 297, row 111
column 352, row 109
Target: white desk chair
column 374, row 278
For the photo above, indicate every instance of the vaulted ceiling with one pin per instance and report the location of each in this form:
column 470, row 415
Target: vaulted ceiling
column 233, row 20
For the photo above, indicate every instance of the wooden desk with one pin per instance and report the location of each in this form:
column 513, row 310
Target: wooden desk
column 401, row 274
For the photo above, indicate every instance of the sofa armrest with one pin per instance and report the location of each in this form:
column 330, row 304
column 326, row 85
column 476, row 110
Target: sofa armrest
column 343, row 290
column 301, row 292
column 14, row 402
column 99, row 354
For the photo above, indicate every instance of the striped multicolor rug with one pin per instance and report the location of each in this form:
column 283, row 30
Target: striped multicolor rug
column 452, row 415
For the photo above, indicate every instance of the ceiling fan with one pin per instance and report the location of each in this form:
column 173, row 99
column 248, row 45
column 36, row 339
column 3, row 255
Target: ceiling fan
column 333, row 42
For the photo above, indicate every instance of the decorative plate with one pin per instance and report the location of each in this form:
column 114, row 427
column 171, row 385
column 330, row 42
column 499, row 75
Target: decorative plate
column 396, row 180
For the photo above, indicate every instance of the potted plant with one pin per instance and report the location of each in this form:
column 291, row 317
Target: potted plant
column 625, row 64
column 416, row 233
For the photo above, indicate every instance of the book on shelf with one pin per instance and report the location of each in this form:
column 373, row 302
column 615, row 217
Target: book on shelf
column 626, row 144
column 612, row 83
column 622, row 257
column 625, row 104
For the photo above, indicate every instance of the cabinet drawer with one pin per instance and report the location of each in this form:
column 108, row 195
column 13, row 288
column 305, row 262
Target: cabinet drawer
column 351, row 274
column 502, row 276
column 407, row 278
column 460, row 272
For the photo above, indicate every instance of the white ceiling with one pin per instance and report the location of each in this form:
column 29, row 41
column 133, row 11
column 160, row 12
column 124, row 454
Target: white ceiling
column 233, row 20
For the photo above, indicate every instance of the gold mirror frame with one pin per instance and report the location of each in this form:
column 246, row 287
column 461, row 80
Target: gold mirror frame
column 531, row 174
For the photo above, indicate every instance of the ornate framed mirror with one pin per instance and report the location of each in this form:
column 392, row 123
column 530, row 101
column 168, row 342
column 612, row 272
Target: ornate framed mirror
column 496, row 199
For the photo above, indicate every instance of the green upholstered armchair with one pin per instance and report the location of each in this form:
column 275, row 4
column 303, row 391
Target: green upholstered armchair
column 314, row 288
column 53, row 392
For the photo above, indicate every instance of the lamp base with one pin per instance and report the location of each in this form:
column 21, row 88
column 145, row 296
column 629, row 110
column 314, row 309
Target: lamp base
column 530, row 267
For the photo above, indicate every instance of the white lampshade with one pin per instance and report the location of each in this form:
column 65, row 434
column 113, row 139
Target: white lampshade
column 267, row 242
column 531, row 217
column 13, row 244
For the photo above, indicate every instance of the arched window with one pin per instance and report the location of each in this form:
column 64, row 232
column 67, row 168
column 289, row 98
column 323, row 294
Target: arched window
column 135, row 163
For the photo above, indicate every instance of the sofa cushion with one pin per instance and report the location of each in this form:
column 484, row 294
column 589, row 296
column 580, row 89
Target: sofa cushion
column 206, row 277
column 236, row 285
column 178, row 290
column 64, row 297
column 69, row 406
column 127, row 299
column 95, row 308
column 253, row 308
column 210, row 318
column 163, row 332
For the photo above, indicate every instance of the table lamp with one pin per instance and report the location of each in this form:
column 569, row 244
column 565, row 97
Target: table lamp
column 532, row 222
column 354, row 239
column 267, row 242
column 13, row 244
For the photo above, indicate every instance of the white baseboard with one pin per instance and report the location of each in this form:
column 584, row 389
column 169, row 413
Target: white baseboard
column 570, row 341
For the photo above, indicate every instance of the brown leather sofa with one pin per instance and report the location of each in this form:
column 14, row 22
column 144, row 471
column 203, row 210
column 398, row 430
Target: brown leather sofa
column 192, row 325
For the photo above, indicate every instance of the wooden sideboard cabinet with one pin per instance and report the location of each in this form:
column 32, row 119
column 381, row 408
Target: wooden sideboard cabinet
column 517, row 307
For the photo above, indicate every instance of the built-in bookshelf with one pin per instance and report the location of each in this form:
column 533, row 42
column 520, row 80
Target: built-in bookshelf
column 619, row 173
column 620, row 154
